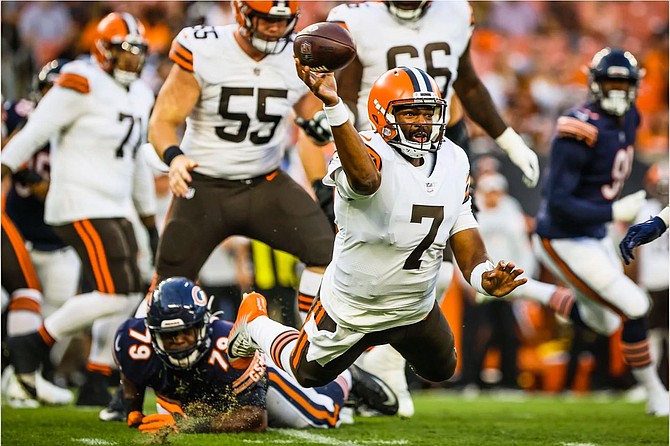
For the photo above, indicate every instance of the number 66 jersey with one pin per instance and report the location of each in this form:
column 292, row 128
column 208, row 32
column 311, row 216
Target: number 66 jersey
column 95, row 127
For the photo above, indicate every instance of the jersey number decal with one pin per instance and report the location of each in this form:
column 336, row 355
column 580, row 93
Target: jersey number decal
column 143, row 351
column 244, row 119
column 217, row 354
column 134, row 146
column 621, row 168
column 428, row 51
column 419, row 212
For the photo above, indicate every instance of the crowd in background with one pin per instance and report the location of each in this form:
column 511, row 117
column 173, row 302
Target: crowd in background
column 529, row 55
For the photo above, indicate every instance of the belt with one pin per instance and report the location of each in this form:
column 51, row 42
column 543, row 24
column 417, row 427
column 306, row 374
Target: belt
column 246, row 181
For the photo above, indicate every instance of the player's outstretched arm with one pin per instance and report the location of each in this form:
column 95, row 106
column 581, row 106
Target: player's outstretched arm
column 176, row 99
column 485, row 277
column 480, row 107
column 359, row 167
column 643, row 233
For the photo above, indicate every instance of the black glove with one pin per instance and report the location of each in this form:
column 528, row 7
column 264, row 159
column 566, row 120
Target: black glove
column 153, row 242
column 317, row 128
column 27, row 177
column 325, row 197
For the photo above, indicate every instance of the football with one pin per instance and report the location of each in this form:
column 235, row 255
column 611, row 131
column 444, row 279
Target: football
column 324, row 47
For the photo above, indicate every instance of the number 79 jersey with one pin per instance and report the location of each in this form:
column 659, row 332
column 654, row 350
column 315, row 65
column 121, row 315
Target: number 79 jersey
column 434, row 43
column 238, row 127
column 388, row 249
column 212, row 380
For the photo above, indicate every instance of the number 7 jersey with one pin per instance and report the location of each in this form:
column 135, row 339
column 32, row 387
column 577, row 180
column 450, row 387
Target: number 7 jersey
column 238, row 127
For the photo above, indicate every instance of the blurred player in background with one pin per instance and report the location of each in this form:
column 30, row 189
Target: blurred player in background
column 235, row 86
column 180, row 351
column 591, row 157
column 96, row 115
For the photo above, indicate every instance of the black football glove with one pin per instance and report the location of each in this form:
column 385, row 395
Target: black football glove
column 325, row 197
column 316, row 128
column 27, row 177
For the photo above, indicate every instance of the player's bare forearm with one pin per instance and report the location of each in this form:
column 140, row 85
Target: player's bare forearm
column 175, row 101
column 133, row 395
column 469, row 250
column 361, row 171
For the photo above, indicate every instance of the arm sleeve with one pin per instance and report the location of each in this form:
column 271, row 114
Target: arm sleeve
column 59, row 108
column 144, row 191
column 568, row 157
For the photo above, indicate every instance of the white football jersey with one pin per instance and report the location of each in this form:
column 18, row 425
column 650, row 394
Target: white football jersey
column 238, row 127
column 434, row 43
column 96, row 127
column 388, row 250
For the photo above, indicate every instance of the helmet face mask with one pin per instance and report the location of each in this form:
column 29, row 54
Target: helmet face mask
column 178, row 312
column 121, row 47
column 250, row 14
column 405, row 90
column 614, row 76
column 408, row 10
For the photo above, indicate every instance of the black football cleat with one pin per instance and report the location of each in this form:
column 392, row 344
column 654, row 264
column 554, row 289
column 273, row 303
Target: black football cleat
column 114, row 410
column 371, row 393
column 94, row 391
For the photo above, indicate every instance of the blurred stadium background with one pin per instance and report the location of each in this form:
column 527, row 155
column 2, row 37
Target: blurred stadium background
column 529, row 54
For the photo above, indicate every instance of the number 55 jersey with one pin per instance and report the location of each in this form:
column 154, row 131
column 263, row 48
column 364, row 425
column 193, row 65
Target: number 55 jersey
column 95, row 127
column 238, row 127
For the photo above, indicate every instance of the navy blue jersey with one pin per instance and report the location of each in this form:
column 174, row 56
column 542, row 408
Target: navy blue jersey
column 591, row 158
column 25, row 210
column 211, row 381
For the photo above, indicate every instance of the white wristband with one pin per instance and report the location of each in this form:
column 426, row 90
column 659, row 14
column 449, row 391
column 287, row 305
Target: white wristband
column 476, row 276
column 510, row 139
column 338, row 114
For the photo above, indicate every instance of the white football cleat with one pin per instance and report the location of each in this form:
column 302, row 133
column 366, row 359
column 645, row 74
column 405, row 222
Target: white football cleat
column 16, row 395
column 658, row 404
column 389, row 365
column 51, row 394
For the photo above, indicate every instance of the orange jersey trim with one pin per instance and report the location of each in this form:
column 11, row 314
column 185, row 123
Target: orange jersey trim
column 375, row 157
column 74, row 82
column 182, row 56
column 569, row 127
column 19, row 247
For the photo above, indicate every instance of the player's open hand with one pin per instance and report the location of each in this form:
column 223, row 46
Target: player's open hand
column 157, row 421
column 179, row 175
column 323, row 85
column 503, row 279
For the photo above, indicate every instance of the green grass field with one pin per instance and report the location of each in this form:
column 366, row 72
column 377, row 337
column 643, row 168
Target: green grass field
column 441, row 419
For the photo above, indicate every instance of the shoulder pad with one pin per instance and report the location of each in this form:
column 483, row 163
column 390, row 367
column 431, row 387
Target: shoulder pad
column 180, row 53
column 73, row 81
column 575, row 128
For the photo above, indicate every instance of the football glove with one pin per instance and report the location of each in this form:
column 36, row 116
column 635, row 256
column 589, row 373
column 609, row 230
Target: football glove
column 640, row 234
column 627, row 208
column 521, row 155
column 27, row 177
column 316, row 128
column 156, row 421
column 325, row 197
column 135, row 418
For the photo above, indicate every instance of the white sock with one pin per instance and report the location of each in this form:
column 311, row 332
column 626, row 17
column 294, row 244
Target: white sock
column 81, row 311
column 24, row 314
column 648, row 377
column 310, row 282
column 264, row 331
column 535, row 290
column 102, row 342
column 656, row 340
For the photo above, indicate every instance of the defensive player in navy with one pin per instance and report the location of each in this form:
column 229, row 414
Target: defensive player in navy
column 591, row 157
column 180, row 351
column 403, row 193
column 96, row 117
column 235, row 86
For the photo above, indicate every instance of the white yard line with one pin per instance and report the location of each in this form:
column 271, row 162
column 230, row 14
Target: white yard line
column 579, row 444
column 94, row 441
column 322, row 439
